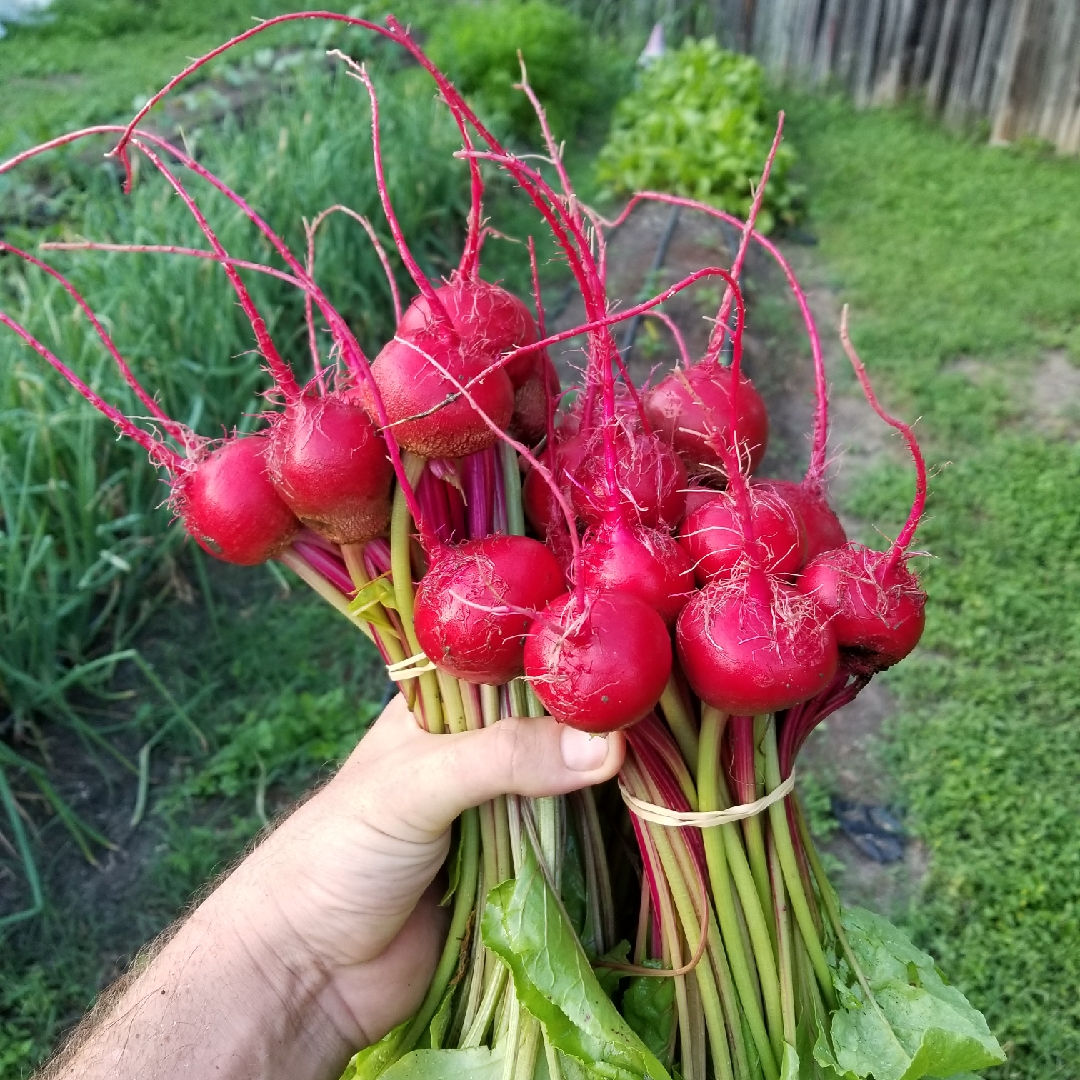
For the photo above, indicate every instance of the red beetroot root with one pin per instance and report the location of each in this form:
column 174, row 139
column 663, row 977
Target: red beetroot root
column 428, row 414
column 712, row 536
column 474, row 606
column 645, row 562
column 229, row 505
column 823, row 529
column 692, row 411
column 874, row 604
column 650, row 480
column 484, row 315
column 599, row 663
column 329, row 464
column 754, row 645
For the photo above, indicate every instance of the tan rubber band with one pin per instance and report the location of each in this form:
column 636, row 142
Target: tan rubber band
column 703, row 819
column 411, row 667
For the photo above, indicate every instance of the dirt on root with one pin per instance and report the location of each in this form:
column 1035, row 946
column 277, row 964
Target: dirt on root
column 844, row 754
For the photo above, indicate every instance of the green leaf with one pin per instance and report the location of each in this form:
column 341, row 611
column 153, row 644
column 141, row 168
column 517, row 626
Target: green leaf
column 648, row 1004
column 920, row 1027
column 477, row 1063
column 789, row 1067
column 525, row 925
column 373, row 1060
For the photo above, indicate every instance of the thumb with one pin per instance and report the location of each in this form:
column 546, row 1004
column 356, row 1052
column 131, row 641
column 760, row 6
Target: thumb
column 533, row 756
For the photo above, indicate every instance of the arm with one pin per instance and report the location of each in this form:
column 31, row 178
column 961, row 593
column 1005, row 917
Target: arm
column 326, row 935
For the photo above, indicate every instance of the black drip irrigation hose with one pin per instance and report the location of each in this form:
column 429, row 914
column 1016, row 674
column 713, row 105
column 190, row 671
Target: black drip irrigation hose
column 658, row 261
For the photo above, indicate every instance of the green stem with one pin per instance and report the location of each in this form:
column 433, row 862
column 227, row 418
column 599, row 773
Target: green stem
column 754, row 832
column 690, row 919
column 785, row 849
column 401, row 572
column 757, row 925
column 515, row 514
column 832, row 909
column 783, row 946
column 464, row 900
column 681, row 722
column 726, row 913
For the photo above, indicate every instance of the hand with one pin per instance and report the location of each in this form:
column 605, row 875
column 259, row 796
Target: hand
column 349, row 873
column 327, row 935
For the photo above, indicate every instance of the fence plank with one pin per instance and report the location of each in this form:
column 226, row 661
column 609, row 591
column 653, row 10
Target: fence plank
column 935, row 88
column 805, row 30
column 1067, row 136
column 958, row 100
column 890, row 83
column 1056, row 83
column 1001, row 109
column 825, row 52
column 850, row 35
column 989, row 51
column 867, row 49
column 924, row 48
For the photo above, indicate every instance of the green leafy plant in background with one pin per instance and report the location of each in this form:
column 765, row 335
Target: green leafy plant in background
column 698, row 125
column 577, row 75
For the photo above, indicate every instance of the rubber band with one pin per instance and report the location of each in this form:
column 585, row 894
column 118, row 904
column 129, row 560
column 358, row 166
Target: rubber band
column 703, row 819
column 404, row 670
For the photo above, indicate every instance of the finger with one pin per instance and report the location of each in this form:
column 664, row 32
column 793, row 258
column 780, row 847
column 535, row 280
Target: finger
column 528, row 756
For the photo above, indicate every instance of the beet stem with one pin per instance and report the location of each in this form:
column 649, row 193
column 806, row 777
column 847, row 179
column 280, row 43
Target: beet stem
column 900, row 544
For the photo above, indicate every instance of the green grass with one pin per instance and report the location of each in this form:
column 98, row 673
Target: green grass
column 950, row 250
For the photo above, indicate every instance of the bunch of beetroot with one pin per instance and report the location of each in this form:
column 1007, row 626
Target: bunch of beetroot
column 614, row 562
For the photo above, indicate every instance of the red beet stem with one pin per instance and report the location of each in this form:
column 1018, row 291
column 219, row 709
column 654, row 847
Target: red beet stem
column 280, row 372
column 161, row 453
column 816, row 470
column 380, row 251
column 177, row 431
column 435, row 305
column 171, row 249
column 720, row 328
column 900, row 544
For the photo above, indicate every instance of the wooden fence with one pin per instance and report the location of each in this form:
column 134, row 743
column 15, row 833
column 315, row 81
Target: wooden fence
column 1013, row 63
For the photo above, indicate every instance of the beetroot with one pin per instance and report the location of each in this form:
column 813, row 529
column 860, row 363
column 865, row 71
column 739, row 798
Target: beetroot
column 823, row 529
column 645, row 562
column 650, row 480
column 531, row 401
column 484, row 315
column 229, row 505
column 875, row 606
column 692, row 411
column 474, row 605
column 712, row 536
column 598, row 663
column 329, row 464
column 873, row 600
column 752, row 645
column 427, row 413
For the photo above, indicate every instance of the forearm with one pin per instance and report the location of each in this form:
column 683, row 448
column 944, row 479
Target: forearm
column 223, row 998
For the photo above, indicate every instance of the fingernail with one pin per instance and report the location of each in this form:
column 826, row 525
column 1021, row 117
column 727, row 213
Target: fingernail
column 582, row 752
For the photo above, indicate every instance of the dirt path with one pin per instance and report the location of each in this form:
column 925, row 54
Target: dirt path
column 843, row 756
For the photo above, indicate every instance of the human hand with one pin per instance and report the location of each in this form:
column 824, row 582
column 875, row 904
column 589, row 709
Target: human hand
column 342, row 887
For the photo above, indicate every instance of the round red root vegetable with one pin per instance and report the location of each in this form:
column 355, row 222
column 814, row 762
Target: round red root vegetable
column 474, row 605
column 329, row 463
column 645, row 562
column 529, row 422
column 691, row 409
column 650, row 479
column 600, row 664
column 541, row 509
column 823, row 529
column 230, row 507
column 712, row 536
column 427, row 413
column 750, row 648
column 875, row 605
column 484, row 314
